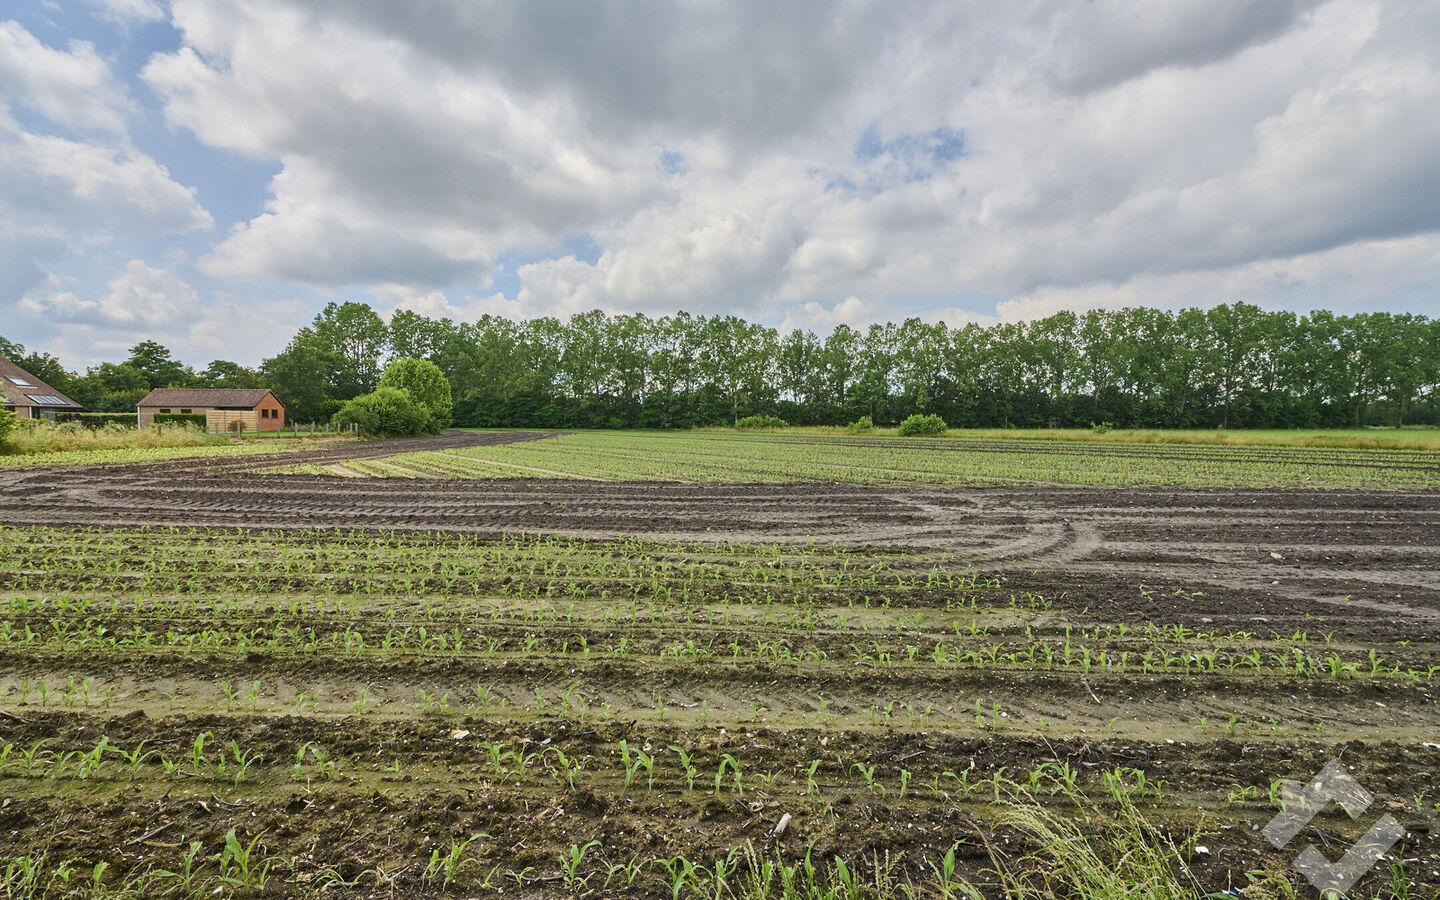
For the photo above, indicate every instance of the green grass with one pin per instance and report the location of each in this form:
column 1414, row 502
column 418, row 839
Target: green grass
column 728, row 456
column 1343, row 438
column 63, row 446
column 33, row 438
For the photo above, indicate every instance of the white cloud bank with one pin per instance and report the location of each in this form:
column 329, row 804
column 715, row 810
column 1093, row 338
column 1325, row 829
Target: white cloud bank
column 803, row 163
column 70, row 178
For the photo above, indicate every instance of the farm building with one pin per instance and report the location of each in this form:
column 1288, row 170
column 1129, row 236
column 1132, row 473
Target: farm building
column 28, row 397
column 224, row 410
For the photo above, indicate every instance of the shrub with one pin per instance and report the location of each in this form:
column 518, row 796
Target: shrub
column 98, row 419
column 7, row 423
column 425, row 384
column 1101, row 427
column 750, row 422
column 922, row 426
column 386, row 412
column 196, row 419
column 862, row 425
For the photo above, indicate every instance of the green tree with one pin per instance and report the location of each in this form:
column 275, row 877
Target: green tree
column 301, row 376
column 160, row 369
column 425, row 384
column 111, row 387
column 359, row 340
column 222, row 373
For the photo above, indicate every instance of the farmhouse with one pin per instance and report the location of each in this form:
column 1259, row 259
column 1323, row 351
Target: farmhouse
column 224, row 410
column 28, row 397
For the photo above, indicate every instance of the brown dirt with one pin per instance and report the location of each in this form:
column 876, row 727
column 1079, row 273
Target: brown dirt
column 1358, row 566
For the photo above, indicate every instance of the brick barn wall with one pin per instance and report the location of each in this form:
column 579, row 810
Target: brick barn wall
column 276, row 421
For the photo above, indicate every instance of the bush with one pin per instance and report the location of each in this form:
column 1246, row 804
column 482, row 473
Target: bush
column 425, row 384
column 386, row 412
column 750, row 422
column 7, row 423
column 861, row 425
column 1101, row 427
column 196, row 419
column 98, row 419
column 922, row 426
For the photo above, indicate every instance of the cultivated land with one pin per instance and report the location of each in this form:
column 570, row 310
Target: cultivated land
column 358, row 676
column 964, row 460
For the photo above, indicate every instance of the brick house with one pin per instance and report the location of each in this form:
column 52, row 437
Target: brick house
column 28, row 397
column 224, row 409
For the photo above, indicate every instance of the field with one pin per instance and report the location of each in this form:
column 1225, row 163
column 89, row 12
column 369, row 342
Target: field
column 1407, row 438
column 765, row 457
column 218, row 680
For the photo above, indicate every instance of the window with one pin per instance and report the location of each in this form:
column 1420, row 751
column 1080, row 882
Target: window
column 165, row 411
column 185, row 412
column 264, row 413
column 47, row 399
column 20, row 381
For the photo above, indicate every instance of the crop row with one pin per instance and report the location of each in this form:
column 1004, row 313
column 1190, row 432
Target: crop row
column 776, row 458
column 92, row 636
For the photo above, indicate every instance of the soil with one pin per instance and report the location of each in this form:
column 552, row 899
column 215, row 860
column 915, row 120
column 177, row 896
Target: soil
column 1359, row 569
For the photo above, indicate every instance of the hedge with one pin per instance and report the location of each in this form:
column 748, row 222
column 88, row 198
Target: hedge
column 197, row 419
column 918, row 425
column 761, row 422
column 97, row 419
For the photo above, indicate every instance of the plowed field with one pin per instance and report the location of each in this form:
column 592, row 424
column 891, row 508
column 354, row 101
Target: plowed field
column 220, row 681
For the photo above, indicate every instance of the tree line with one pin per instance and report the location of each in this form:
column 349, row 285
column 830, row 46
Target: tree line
column 1230, row 366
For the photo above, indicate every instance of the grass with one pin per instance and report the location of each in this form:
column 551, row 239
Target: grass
column 1409, row 438
column 47, row 438
column 729, row 456
column 71, row 444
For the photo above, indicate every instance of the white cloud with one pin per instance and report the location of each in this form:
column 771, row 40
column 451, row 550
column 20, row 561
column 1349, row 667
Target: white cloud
column 73, row 88
column 1354, row 277
column 139, row 296
column 64, row 196
column 142, row 302
column 815, row 316
column 807, row 163
column 126, row 12
column 115, row 184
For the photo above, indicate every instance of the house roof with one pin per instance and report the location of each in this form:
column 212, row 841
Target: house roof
column 20, row 388
column 210, row 398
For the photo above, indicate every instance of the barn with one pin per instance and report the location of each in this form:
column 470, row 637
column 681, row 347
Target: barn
column 28, row 397
column 224, row 409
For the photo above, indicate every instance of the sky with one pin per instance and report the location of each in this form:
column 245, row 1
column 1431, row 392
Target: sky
column 209, row 173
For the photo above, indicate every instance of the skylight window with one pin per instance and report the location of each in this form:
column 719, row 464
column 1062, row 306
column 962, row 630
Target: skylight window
column 20, row 381
column 47, row 399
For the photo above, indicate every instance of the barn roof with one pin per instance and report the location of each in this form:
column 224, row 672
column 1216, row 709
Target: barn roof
column 20, row 388
column 212, row 398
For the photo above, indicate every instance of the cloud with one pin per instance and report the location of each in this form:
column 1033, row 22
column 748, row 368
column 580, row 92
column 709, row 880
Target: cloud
column 1351, row 278
column 815, row 316
column 98, row 182
column 143, row 302
column 804, row 164
column 70, row 87
column 63, row 197
column 125, row 12
column 138, row 297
